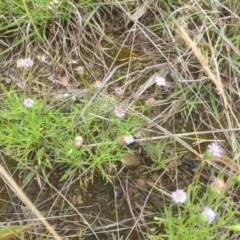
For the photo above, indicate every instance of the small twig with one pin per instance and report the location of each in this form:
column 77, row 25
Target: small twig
column 167, row 136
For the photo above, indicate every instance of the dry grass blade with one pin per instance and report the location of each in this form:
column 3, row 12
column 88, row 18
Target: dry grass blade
column 208, row 71
column 139, row 13
column 25, row 199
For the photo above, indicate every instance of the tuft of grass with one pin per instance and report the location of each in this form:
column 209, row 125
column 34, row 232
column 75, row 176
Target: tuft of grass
column 44, row 135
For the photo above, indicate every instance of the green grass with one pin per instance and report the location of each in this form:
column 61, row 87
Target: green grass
column 198, row 105
column 44, row 135
column 182, row 221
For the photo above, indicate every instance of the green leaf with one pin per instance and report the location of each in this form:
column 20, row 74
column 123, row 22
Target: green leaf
column 7, row 231
column 201, row 218
column 236, row 179
column 214, row 106
column 235, row 227
column 207, row 155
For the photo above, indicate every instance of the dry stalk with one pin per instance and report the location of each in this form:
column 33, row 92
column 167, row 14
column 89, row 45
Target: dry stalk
column 28, row 203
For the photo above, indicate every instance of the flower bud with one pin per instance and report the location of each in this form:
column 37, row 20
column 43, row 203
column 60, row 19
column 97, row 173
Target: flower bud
column 78, row 141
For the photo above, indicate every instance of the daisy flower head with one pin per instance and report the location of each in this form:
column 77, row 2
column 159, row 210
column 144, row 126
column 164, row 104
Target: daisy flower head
column 118, row 90
column 160, row 81
column 210, row 214
column 151, row 101
column 179, row 196
column 24, row 63
column 119, row 112
column 79, row 69
column 136, row 95
column 218, row 184
column 28, row 102
column 97, row 85
column 215, row 149
column 27, row 62
column 128, row 139
column 122, row 139
column 78, row 141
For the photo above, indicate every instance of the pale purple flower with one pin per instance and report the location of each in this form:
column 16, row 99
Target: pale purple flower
column 118, row 90
column 209, row 213
column 179, row 196
column 215, row 149
column 78, row 141
column 136, row 95
column 160, row 81
column 128, row 139
column 98, row 84
column 27, row 62
column 151, row 101
column 218, row 184
column 119, row 112
column 79, row 69
column 28, row 102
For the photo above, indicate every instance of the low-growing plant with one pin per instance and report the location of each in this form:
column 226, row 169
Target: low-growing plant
column 35, row 133
column 201, row 208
